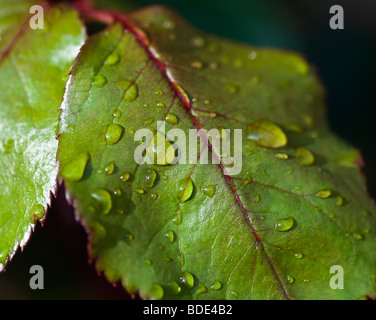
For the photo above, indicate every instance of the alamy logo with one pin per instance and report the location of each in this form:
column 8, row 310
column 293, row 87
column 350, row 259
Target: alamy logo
column 337, row 20
column 37, row 20
column 336, row 282
column 37, row 280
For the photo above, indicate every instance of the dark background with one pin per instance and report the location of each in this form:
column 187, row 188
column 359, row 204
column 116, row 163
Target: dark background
column 346, row 62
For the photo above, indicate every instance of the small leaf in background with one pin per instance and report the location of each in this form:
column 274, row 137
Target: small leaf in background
column 33, row 68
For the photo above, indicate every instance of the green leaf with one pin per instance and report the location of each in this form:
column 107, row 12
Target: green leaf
column 33, row 68
column 194, row 232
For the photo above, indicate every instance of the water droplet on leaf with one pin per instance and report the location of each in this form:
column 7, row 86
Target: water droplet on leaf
column 216, row 285
column 323, row 194
column 74, row 170
column 103, row 200
column 196, row 64
column 117, row 113
column 284, row 224
column 304, row 157
column 155, row 292
column 38, row 211
column 200, row 289
column 170, row 236
column 113, row 133
column 290, row 279
column 185, row 189
column 150, row 177
column 109, row 168
column 139, row 190
column 174, row 287
column 124, row 177
column 112, row 59
column 281, row 156
column 129, row 89
column 209, row 190
column 99, row 81
column 171, row 118
column 188, row 279
column 266, row 134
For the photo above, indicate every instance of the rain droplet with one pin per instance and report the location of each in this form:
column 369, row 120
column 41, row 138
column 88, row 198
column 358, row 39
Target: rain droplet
column 200, row 289
column 139, row 190
column 298, row 255
column 150, row 177
column 99, row 81
column 117, row 192
column 284, row 224
column 124, row 177
column 357, row 236
column 304, row 156
column 113, row 133
column 266, row 134
column 256, row 198
column 196, row 64
column 281, row 156
column 174, row 287
column 38, row 211
column 216, row 285
column 185, row 189
column 158, row 92
column 148, row 121
column 171, row 118
column 109, row 168
column 161, row 105
column 129, row 89
column 112, row 59
column 339, row 202
column 209, row 190
column 103, row 200
column 98, row 232
column 188, row 279
column 234, row 293
column 290, row 279
column 117, row 113
column 323, row 194
column 74, row 170
column 155, row 292
column 154, row 196
column 293, row 127
column 148, row 262
column 170, row 236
